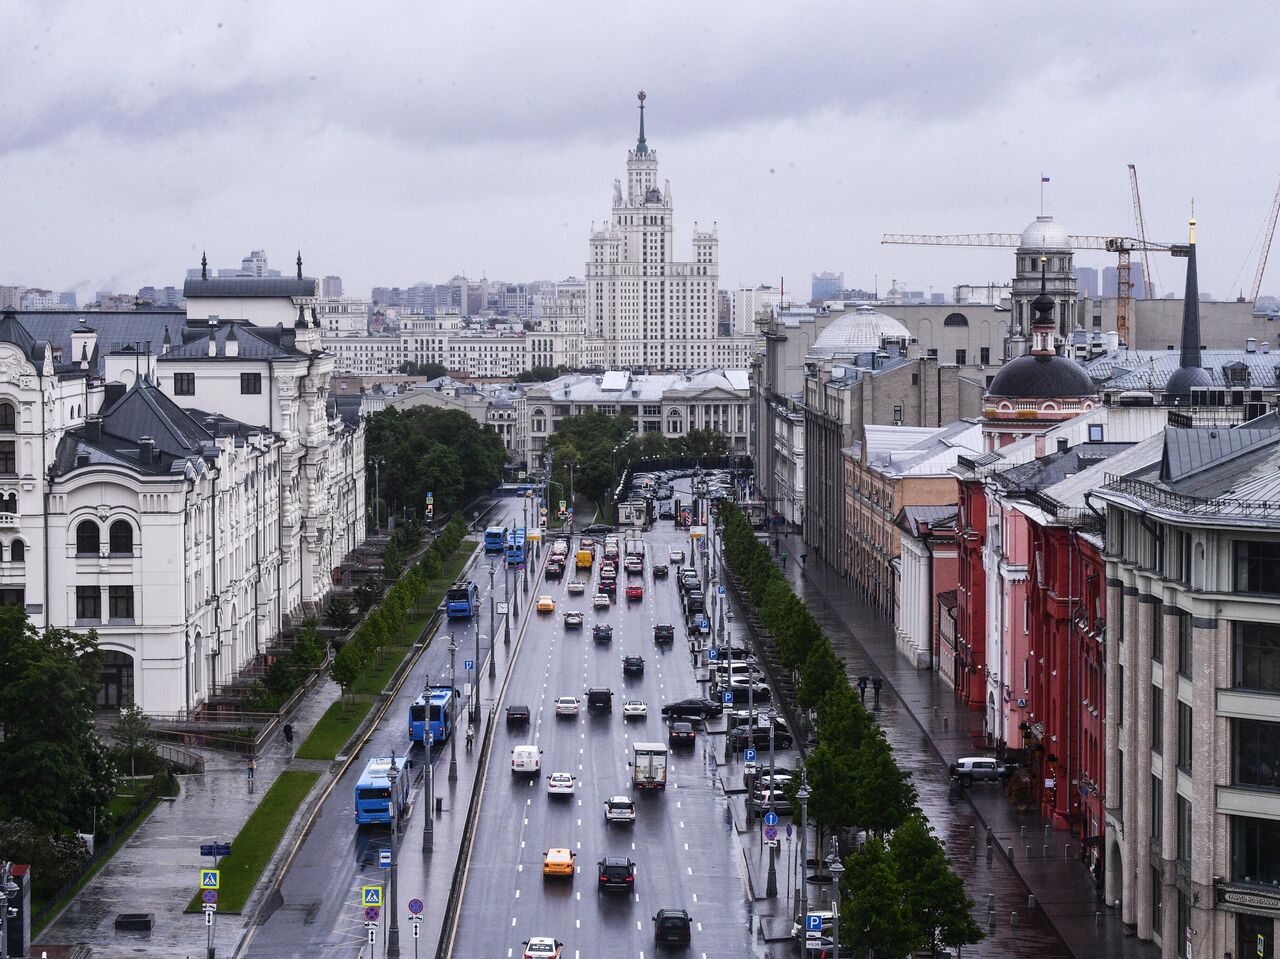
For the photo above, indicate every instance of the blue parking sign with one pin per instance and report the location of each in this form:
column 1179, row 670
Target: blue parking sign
column 720, row 589
column 713, row 654
column 726, row 696
column 748, row 755
column 812, row 923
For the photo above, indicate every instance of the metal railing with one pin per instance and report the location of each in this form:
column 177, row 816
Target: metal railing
column 1161, row 498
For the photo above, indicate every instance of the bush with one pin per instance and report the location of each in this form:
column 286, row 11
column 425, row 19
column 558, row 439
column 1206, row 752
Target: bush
column 60, row 858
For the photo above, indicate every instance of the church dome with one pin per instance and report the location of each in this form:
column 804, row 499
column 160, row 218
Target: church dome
column 1044, row 234
column 1033, row 377
column 862, row 331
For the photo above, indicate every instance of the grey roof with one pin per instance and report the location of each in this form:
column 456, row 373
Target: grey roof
column 250, row 286
column 1057, row 466
column 13, row 331
column 929, row 515
column 115, row 330
column 1191, row 451
column 255, row 343
column 1152, row 369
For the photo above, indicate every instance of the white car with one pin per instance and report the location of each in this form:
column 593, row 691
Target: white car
column 567, row 706
column 676, row 556
column 634, row 709
column 573, row 619
column 560, row 784
column 526, row 759
column 577, row 588
column 542, row 947
column 619, row 809
column 600, row 601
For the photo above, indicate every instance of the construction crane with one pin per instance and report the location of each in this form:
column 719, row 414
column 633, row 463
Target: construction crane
column 1122, row 246
column 1142, row 231
column 1266, row 247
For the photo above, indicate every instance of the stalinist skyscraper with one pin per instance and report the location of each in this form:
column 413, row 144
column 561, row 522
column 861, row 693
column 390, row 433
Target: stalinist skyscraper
column 645, row 309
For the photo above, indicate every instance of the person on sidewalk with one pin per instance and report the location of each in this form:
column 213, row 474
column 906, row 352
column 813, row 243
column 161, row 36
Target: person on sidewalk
column 471, row 735
column 250, row 771
column 803, row 558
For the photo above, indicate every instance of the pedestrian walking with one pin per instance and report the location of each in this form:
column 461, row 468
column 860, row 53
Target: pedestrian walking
column 471, row 735
column 803, row 558
column 251, row 769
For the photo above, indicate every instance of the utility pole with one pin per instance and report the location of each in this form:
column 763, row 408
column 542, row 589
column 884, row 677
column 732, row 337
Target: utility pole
column 802, row 797
column 493, row 653
column 771, row 884
column 428, row 827
column 377, row 492
column 453, row 684
column 393, row 932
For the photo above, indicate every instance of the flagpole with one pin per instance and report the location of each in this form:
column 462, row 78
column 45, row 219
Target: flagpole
column 1042, row 193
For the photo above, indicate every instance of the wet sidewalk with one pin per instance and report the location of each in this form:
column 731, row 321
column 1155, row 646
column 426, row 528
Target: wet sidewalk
column 1046, row 861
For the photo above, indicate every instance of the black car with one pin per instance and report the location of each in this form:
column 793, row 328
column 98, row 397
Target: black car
column 737, row 653
column 664, row 633
column 555, row 570
column 599, row 700
column 681, row 734
column 666, row 513
column 633, row 665
column 660, row 571
column 602, row 632
column 692, row 708
column 609, row 586
column 742, row 736
column 695, row 602
column 616, row 873
column 744, row 692
column 598, row 529
column 517, row 715
column 672, row 927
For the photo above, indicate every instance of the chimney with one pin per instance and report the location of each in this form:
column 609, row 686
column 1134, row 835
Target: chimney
column 1251, row 345
column 93, row 428
column 1040, row 450
column 84, row 340
column 232, row 346
column 213, row 319
column 1062, row 444
column 1113, row 341
column 148, row 454
column 1266, row 347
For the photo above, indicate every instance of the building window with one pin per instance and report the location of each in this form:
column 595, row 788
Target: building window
column 1255, row 850
column 1120, row 704
column 1257, row 566
column 121, row 602
column 956, row 319
column 121, row 537
column 932, row 354
column 88, row 538
column 250, row 383
column 8, row 456
column 1157, row 632
column 1184, row 926
column 18, row 551
column 962, row 357
column 1186, row 644
column 1256, row 663
column 88, row 602
column 1184, row 830
column 8, row 418
column 1255, row 753
column 1095, row 432
column 1157, row 803
column 184, row 384
column 1157, row 900
column 915, row 379
column 1185, row 737
column 1157, row 719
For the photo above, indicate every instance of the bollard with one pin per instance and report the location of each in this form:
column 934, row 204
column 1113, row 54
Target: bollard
column 1046, row 832
column 1066, row 850
column 973, row 834
column 1031, row 904
column 990, row 851
column 988, row 835
column 1022, row 834
column 1013, row 920
column 439, row 805
column 946, row 723
column 1009, row 853
column 1097, row 918
column 1044, row 852
column 991, row 902
column 991, row 920
column 973, row 850
column 1028, row 854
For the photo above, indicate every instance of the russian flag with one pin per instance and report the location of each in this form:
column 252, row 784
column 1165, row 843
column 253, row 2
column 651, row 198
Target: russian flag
column 1044, row 179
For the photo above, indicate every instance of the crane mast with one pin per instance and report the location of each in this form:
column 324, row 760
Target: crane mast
column 1266, row 247
column 1142, row 230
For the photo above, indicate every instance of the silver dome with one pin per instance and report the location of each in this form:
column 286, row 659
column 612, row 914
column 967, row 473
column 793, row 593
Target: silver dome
column 863, row 330
column 1044, row 234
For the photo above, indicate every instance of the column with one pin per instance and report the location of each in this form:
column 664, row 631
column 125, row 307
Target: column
column 1139, row 723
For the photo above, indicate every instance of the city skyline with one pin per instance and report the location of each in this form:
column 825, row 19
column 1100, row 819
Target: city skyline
column 203, row 134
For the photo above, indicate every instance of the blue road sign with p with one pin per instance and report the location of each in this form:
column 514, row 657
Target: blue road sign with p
column 713, row 654
column 771, row 819
column 748, row 755
column 812, row 923
column 727, row 696
column 468, row 664
column 720, row 589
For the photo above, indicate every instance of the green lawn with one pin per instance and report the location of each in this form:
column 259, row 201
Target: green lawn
column 336, row 726
column 256, row 843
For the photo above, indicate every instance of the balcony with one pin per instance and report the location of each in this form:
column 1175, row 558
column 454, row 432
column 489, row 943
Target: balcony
column 9, row 521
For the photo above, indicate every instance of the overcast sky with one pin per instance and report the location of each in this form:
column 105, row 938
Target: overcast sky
column 413, row 141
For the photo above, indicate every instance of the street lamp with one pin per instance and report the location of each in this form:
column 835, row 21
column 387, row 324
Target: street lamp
column 493, row 571
column 428, row 827
column 473, row 710
column 8, row 890
column 453, row 684
column 377, row 491
column 393, row 933
column 802, row 797
column 837, row 870
column 511, row 600
column 771, row 884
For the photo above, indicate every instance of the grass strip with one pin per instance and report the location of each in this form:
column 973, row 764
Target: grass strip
column 335, row 728
column 256, row 842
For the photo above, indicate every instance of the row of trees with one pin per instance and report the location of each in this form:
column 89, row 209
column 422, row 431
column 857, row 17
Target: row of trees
column 429, row 450
column 898, row 893
column 385, row 623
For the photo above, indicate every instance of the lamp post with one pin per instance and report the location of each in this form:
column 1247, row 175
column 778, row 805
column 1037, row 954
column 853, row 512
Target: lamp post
column 728, row 738
column 8, row 890
column 453, row 683
column 473, row 711
column 802, row 797
column 837, row 870
column 428, row 827
column 377, row 492
column 751, row 724
column 393, row 932
column 506, row 620
column 771, row 884
column 493, row 571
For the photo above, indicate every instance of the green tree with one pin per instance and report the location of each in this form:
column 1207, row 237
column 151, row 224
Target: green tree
column 933, row 895
column 54, row 771
column 429, row 370
column 541, row 374
column 872, row 917
column 60, row 857
column 132, row 731
column 340, row 614
column 818, row 676
column 702, row 444
column 883, row 797
column 346, row 667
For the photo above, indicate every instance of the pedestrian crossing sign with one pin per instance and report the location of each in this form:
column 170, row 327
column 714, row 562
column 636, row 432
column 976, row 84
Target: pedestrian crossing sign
column 371, row 895
column 209, row 878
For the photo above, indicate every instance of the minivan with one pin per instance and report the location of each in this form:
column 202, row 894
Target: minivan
column 526, row 760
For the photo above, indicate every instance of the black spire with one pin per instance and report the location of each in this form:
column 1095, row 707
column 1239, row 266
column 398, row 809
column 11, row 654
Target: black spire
column 204, row 265
column 301, row 322
column 642, row 148
column 299, row 264
column 1190, row 373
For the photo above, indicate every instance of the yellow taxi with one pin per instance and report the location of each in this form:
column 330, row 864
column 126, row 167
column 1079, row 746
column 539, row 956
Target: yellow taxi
column 546, row 604
column 558, row 862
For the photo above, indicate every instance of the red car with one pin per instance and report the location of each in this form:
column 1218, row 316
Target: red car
column 635, row 592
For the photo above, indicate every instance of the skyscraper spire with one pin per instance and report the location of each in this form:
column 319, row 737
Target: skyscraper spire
column 1190, row 372
column 641, row 147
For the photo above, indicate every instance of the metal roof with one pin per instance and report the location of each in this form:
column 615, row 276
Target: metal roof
column 250, row 286
column 1189, row 451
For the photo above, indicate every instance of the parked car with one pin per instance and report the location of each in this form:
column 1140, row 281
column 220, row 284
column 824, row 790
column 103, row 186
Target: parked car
column 681, row 734
column 633, row 665
column 517, row 715
column 664, row 633
column 602, row 632
column 672, row 927
column 616, row 874
column 694, row 708
column 760, row 801
column 744, row 736
column 973, row 769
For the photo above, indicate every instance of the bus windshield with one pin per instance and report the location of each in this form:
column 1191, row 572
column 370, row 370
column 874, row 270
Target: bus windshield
column 459, row 592
column 417, row 712
column 373, row 792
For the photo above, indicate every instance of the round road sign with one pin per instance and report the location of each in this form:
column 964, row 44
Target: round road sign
column 770, row 832
column 415, row 906
column 209, row 895
column 371, row 913
column 771, row 819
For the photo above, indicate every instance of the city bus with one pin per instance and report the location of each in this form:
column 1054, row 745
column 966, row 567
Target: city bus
column 436, row 709
column 495, row 539
column 462, row 601
column 515, row 546
column 375, row 795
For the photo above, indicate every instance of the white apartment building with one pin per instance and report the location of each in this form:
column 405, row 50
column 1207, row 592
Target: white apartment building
column 560, row 321
column 442, row 339
column 343, row 316
column 746, row 304
column 646, row 310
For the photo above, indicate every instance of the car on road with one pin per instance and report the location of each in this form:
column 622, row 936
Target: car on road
column 573, row 619
column 692, row 708
column 616, row 874
column 567, row 706
column 660, row 571
column 609, row 587
column 634, row 709
column 681, row 734
column 577, row 588
column 543, row 947
column 526, row 759
column 558, row 862
column 600, row 601
column 602, row 632
column 635, row 591
column 633, row 665
column 598, row 529
column 517, row 715
column 599, row 699
column 560, row 784
column 973, row 769
column 587, row 543
column 672, row 927
column 664, row 633
column 546, row 604
column 760, row 801
column 619, row 809
column 676, row 556
column 666, row 513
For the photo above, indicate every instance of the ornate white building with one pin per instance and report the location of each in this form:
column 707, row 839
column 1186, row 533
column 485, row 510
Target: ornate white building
column 644, row 309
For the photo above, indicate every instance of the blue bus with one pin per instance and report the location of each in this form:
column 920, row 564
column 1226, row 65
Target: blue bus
column 495, row 539
column 515, row 546
column 462, row 601
column 376, row 797
column 436, row 709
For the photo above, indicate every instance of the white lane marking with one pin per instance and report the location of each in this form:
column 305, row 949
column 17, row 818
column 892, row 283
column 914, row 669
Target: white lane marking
column 686, row 847
column 521, row 843
column 577, row 923
column 513, row 920
column 690, row 870
column 638, row 926
column 695, row 897
column 520, row 866
column 517, row 893
column 579, row 823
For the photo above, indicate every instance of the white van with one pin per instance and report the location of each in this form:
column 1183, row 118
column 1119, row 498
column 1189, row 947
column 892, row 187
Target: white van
column 526, row 760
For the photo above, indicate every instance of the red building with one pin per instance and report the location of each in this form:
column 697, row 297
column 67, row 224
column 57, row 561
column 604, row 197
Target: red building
column 971, row 591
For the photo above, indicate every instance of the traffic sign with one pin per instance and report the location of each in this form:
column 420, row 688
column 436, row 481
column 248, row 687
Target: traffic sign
column 208, row 917
column 813, row 922
column 563, row 506
column 416, row 929
column 770, row 832
column 727, row 696
column 209, row 896
column 384, row 858
column 771, row 818
column 371, row 913
column 373, row 934
column 371, row 895
column 788, row 830
column 430, row 496
column 209, row 878
column 713, row 654
column 771, row 843
column 468, row 664
column 502, row 608
column 216, row 849
column 415, row 906
column 748, row 755
column 542, row 511
column 720, row 589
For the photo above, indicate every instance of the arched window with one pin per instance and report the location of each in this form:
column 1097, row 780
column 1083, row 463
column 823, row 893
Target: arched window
column 121, row 537
column 956, row 319
column 88, row 536
column 9, row 503
column 19, row 551
column 8, row 418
